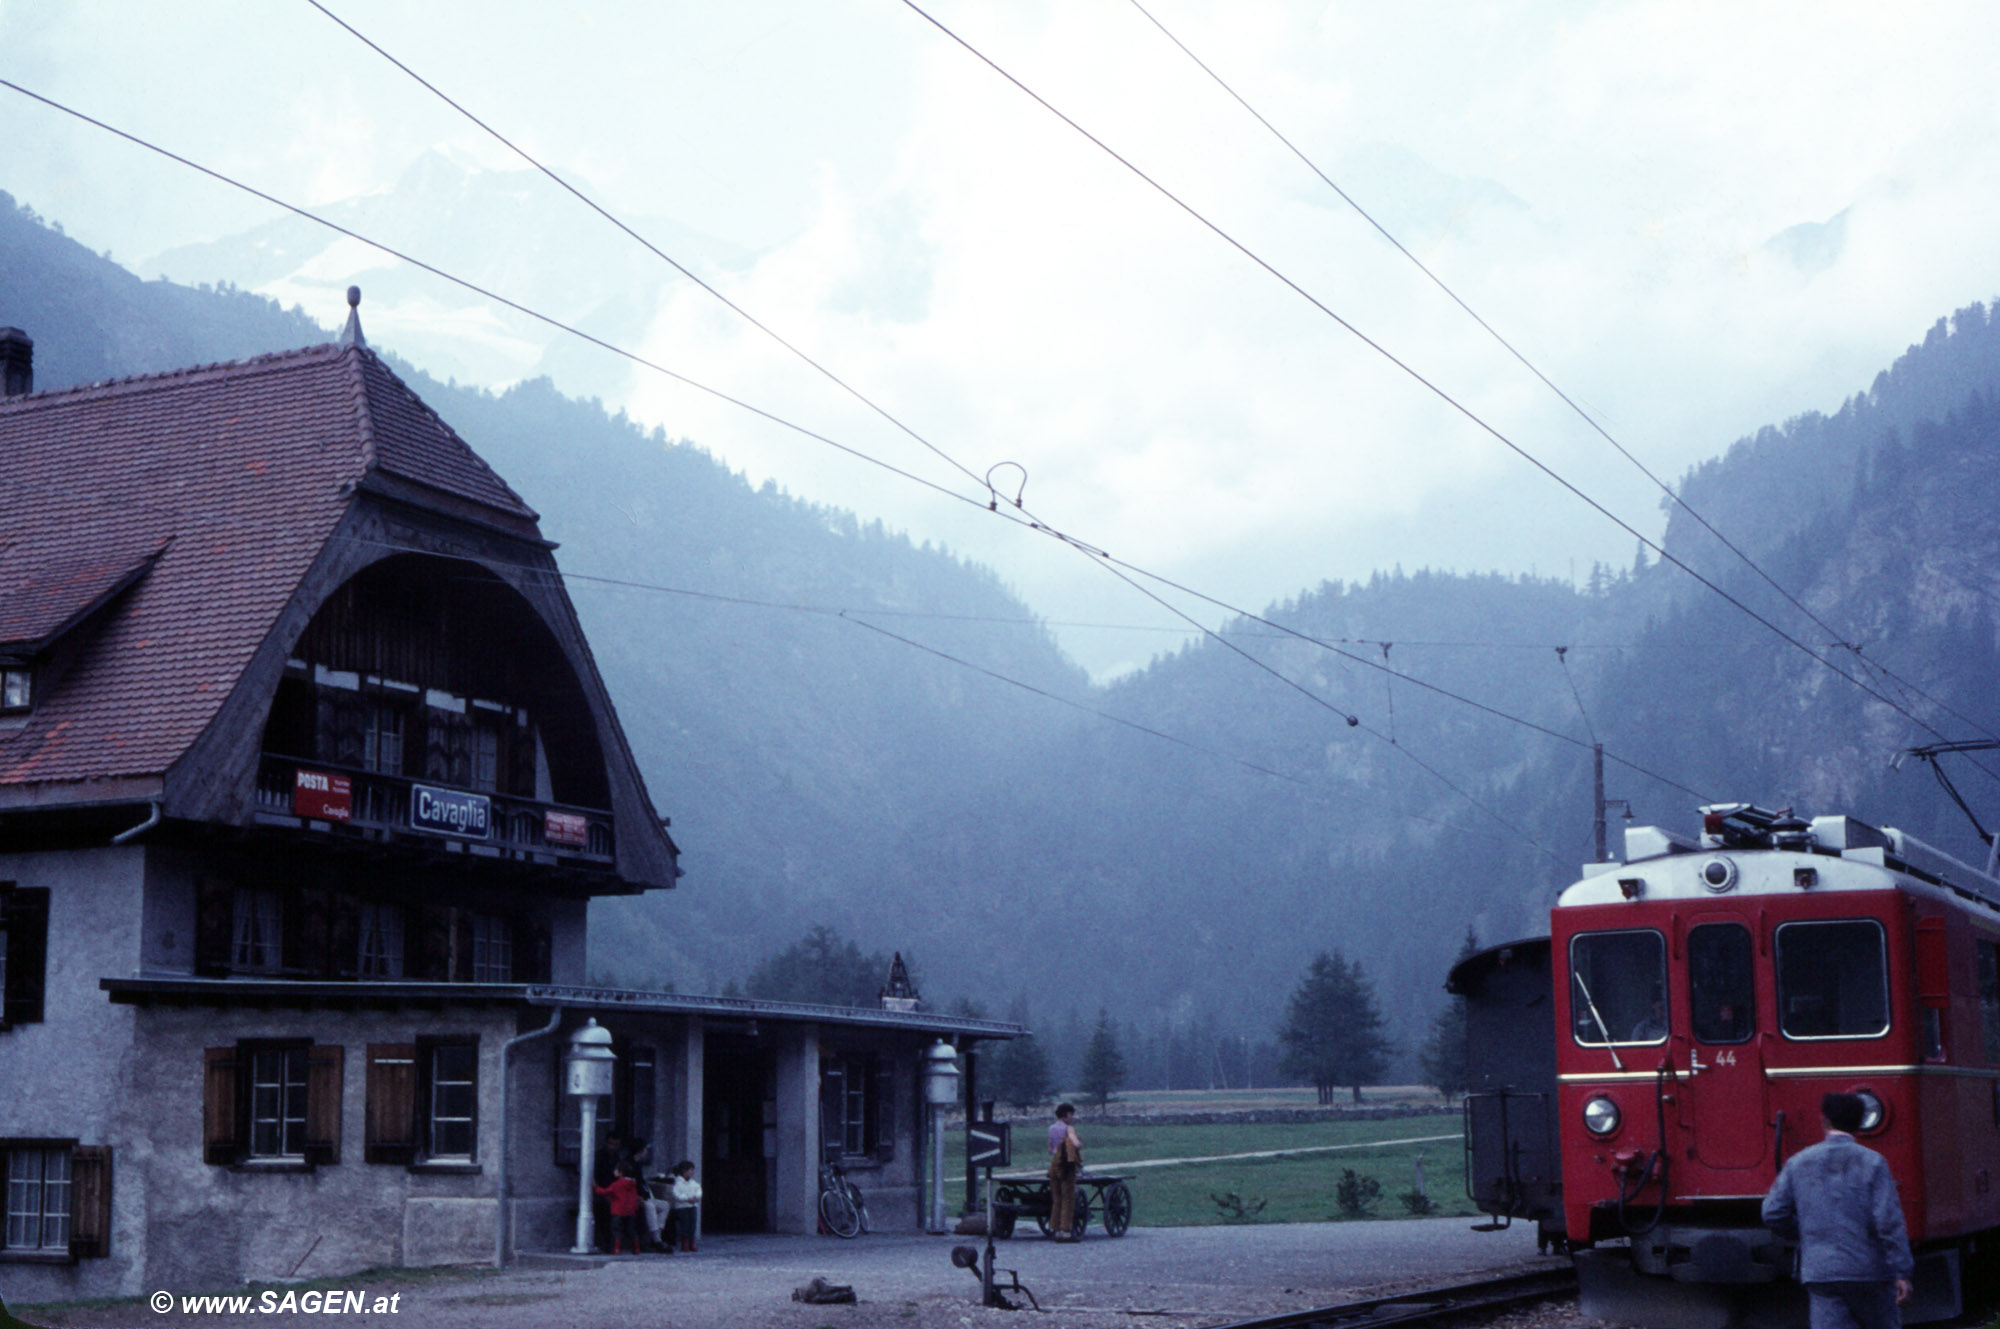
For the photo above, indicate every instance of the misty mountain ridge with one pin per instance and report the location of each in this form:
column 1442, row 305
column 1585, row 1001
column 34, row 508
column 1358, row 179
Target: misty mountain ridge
column 819, row 771
column 610, row 289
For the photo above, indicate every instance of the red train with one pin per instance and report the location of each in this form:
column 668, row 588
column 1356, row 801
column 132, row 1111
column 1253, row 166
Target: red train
column 1705, row 994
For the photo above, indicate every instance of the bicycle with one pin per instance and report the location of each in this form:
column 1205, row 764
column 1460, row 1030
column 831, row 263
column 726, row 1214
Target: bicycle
column 842, row 1209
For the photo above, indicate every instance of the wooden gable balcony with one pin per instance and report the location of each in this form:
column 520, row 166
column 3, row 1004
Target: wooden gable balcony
column 423, row 813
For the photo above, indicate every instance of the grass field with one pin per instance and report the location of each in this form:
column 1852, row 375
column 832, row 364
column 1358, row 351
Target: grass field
column 1294, row 1187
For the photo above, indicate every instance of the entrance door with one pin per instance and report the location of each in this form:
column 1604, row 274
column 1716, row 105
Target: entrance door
column 1726, row 1096
column 737, row 1078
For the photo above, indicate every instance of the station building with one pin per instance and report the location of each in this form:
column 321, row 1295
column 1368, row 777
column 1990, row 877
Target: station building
column 307, row 778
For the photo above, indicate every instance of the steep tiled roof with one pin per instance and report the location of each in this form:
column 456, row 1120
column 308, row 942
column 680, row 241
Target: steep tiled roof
column 230, row 478
column 409, row 439
column 40, row 599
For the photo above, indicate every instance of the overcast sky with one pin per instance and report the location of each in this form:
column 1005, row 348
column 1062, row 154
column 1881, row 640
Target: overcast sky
column 1698, row 219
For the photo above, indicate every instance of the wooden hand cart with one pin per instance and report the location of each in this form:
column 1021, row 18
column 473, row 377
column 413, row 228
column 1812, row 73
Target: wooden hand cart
column 1026, row 1195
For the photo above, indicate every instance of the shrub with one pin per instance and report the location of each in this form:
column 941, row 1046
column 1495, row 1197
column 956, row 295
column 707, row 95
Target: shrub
column 1356, row 1194
column 1418, row 1203
column 1235, row 1209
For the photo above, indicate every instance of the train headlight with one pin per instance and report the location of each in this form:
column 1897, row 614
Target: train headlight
column 1718, row 874
column 1600, row 1116
column 1873, row 1112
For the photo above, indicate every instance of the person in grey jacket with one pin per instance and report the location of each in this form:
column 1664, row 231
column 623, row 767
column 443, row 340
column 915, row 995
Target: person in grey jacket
column 1838, row 1200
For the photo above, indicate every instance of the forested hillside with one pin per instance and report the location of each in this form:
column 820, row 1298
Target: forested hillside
column 1036, row 858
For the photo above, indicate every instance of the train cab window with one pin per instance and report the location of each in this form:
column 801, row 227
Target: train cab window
column 1618, row 987
column 1721, row 983
column 1833, row 979
column 1989, row 1000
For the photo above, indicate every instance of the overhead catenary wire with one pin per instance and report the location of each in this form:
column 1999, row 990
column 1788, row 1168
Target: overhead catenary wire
column 1026, row 520
column 859, row 617
column 553, row 322
column 745, row 314
column 993, row 503
column 1835, row 638
column 1562, row 658
column 497, row 298
column 1414, row 374
column 1353, row 721
column 657, row 252
column 854, row 618
column 535, row 571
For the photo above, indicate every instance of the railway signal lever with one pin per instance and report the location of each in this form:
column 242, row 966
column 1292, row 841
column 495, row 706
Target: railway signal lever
column 967, row 1257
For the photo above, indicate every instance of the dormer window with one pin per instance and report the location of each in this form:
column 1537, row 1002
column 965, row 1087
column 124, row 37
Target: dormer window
column 17, row 688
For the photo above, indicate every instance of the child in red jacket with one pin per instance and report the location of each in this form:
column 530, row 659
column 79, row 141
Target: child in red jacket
column 623, row 1193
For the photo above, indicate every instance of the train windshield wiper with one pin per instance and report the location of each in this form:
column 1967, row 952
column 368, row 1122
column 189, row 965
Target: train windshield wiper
column 1591, row 1005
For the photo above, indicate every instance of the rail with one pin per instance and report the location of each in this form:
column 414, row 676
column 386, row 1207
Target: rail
column 1487, row 1296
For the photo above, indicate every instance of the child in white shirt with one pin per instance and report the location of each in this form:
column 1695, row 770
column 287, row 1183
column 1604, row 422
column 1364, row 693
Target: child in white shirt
column 682, row 1221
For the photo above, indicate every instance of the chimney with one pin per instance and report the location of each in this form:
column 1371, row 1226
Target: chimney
column 17, row 363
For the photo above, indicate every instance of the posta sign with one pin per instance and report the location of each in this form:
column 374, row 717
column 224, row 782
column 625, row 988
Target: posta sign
column 322, row 796
column 450, row 812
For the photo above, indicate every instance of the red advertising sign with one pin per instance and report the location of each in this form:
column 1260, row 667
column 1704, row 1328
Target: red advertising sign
column 568, row 829
column 323, row 797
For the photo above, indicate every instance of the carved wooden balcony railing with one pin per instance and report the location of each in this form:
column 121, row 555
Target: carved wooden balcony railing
column 548, row 832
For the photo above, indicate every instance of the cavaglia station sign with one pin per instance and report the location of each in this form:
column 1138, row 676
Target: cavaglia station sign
column 450, row 812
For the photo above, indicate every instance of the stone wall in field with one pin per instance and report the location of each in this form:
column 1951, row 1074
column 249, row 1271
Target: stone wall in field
column 1250, row 1116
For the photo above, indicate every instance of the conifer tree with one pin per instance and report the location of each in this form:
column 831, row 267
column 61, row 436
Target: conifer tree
column 1103, row 1070
column 1021, row 1075
column 1332, row 1034
column 1445, row 1058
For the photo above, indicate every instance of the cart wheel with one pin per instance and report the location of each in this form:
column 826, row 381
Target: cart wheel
column 1003, row 1222
column 1082, row 1215
column 1117, row 1209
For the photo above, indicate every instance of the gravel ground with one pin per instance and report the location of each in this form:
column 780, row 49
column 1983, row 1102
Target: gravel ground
column 1153, row 1276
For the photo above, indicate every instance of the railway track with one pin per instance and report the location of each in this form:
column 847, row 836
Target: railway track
column 1429, row 1306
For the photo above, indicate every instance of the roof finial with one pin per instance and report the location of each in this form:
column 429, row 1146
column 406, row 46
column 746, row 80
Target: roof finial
column 351, row 336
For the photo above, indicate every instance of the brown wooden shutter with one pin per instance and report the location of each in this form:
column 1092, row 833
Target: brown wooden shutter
column 326, row 1065
column 214, row 916
column 90, row 1201
column 884, row 1102
column 221, row 1121
column 27, row 939
column 392, row 1103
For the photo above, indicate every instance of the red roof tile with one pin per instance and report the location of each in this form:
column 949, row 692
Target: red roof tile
column 230, row 477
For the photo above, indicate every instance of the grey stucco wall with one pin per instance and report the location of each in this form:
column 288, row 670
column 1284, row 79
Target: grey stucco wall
column 207, row 1225
column 132, row 1078
column 168, row 926
column 62, row 1078
column 893, row 1189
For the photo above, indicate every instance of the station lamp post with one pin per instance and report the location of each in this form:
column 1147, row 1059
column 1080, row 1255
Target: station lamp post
column 940, row 1092
column 588, row 1062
